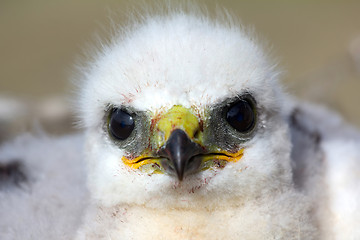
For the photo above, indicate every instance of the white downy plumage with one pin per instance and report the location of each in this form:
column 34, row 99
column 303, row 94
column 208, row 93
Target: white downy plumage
column 296, row 179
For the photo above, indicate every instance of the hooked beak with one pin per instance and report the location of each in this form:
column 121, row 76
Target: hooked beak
column 180, row 154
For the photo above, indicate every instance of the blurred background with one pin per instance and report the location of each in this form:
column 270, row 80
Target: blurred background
column 316, row 42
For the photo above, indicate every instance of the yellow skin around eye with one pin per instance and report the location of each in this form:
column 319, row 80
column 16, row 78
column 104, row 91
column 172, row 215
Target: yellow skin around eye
column 178, row 117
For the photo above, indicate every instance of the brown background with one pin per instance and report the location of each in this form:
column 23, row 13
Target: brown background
column 316, row 43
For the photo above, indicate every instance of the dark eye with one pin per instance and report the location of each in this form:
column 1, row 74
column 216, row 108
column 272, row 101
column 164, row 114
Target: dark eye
column 121, row 124
column 241, row 116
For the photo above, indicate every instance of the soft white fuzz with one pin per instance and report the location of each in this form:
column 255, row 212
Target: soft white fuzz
column 49, row 203
column 175, row 60
column 189, row 60
column 332, row 171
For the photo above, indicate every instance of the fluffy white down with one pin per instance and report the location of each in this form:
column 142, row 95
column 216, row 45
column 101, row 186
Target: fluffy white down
column 176, row 60
column 335, row 188
column 188, row 60
column 50, row 203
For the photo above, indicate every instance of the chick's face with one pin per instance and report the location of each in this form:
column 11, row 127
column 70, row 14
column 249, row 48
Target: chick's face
column 181, row 141
column 183, row 122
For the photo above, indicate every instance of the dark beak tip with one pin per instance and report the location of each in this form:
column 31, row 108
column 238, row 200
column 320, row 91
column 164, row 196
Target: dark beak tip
column 179, row 149
column 180, row 175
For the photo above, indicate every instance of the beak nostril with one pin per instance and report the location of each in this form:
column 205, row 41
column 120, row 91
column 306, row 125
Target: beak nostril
column 193, row 164
column 197, row 134
column 168, row 166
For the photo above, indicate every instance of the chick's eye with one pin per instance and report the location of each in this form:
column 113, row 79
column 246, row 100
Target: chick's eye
column 121, row 124
column 241, row 116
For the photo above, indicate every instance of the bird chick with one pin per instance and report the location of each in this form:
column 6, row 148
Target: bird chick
column 187, row 137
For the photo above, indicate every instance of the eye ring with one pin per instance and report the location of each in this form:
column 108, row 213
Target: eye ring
column 121, row 124
column 241, row 115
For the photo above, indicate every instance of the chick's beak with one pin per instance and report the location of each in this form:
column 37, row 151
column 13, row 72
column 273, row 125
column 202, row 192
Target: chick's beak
column 180, row 145
column 180, row 154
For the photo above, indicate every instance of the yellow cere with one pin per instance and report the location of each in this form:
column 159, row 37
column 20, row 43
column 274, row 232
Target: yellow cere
column 178, row 117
